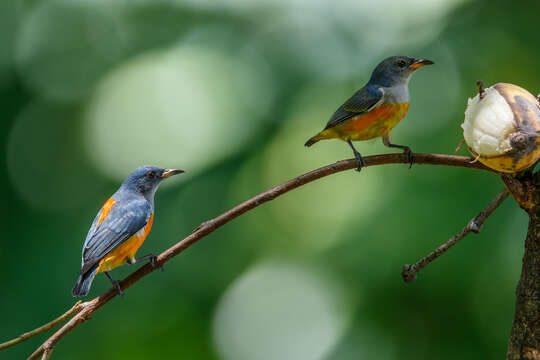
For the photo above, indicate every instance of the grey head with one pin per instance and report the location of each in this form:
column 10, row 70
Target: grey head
column 396, row 70
column 146, row 179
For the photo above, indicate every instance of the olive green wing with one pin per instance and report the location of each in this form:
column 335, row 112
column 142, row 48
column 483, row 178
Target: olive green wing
column 364, row 100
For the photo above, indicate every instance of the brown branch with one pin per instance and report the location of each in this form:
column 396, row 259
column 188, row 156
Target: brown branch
column 75, row 309
column 210, row 226
column 47, row 354
column 475, row 225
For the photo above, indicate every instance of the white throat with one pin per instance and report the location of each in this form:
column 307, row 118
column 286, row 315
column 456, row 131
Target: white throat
column 398, row 93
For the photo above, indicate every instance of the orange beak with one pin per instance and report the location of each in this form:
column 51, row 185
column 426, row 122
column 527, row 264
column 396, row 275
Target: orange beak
column 418, row 63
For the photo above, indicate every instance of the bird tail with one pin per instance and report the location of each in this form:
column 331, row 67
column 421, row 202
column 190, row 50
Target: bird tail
column 313, row 140
column 82, row 287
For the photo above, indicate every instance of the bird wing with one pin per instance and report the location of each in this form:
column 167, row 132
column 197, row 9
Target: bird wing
column 364, row 100
column 116, row 222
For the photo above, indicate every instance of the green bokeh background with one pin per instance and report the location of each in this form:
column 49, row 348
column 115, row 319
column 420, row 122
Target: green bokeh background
column 75, row 81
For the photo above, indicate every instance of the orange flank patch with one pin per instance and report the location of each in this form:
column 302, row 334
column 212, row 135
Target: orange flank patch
column 370, row 125
column 373, row 124
column 126, row 250
column 105, row 210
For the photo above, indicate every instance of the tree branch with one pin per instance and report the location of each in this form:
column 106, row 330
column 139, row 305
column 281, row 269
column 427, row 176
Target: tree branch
column 75, row 309
column 47, row 354
column 88, row 308
column 475, row 225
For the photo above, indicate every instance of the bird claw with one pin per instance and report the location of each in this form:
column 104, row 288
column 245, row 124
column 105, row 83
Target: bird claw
column 360, row 163
column 153, row 262
column 409, row 156
column 116, row 284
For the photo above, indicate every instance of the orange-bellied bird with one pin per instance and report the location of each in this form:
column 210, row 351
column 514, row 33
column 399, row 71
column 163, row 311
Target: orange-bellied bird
column 120, row 227
column 376, row 108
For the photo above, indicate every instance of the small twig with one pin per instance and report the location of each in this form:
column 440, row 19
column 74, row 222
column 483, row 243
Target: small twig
column 47, row 354
column 475, row 159
column 459, row 146
column 210, row 226
column 75, row 309
column 88, row 308
column 475, row 225
column 481, row 89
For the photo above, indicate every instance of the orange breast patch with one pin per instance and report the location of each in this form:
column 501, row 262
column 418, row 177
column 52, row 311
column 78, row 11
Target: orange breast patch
column 148, row 226
column 105, row 210
column 125, row 250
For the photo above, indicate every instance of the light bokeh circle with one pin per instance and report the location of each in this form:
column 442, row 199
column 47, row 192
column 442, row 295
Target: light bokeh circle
column 280, row 311
column 187, row 107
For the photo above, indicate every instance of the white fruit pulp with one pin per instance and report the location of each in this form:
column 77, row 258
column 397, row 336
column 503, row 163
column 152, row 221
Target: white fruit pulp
column 488, row 124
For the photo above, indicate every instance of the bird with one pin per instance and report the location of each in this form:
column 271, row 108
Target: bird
column 376, row 108
column 120, row 227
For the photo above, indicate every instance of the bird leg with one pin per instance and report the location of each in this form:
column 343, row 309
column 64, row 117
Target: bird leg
column 360, row 163
column 409, row 155
column 115, row 283
column 151, row 257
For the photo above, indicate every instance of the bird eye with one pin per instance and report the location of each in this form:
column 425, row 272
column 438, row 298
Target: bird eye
column 402, row 63
column 150, row 175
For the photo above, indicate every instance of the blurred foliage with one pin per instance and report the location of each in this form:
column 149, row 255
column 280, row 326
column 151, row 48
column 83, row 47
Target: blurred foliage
column 230, row 91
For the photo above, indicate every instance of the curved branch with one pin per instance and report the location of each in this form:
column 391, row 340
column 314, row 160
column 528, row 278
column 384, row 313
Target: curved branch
column 209, row 226
column 74, row 309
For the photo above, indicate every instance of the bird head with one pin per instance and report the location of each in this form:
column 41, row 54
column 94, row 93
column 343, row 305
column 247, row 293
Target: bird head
column 396, row 70
column 146, row 179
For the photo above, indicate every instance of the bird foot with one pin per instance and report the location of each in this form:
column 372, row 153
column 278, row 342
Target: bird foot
column 116, row 284
column 409, row 156
column 360, row 162
column 153, row 262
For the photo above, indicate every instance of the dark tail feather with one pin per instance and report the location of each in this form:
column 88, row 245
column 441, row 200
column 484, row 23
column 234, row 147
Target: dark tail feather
column 311, row 141
column 82, row 287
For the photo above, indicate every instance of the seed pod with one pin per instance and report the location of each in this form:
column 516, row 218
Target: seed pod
column 502, row 128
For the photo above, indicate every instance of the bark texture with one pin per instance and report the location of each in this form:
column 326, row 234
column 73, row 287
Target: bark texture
column 525, row 336
column 524, row 342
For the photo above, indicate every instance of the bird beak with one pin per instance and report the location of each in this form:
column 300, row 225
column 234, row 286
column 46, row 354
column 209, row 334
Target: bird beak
column 171, row 172
column 418, row 63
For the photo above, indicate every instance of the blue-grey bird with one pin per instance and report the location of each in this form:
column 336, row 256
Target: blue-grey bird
column 121, row 226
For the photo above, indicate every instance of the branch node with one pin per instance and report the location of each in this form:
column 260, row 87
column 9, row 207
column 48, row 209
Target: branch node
column 47, row 353
column 474, row 225
column 408, row 273
column 475, row 159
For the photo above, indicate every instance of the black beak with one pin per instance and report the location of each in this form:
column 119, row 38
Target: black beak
column 170, row 172
column 418, row 63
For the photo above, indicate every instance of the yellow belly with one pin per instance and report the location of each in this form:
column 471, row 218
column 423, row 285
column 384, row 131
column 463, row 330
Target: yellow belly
column 373, row 124
column 126, row 250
